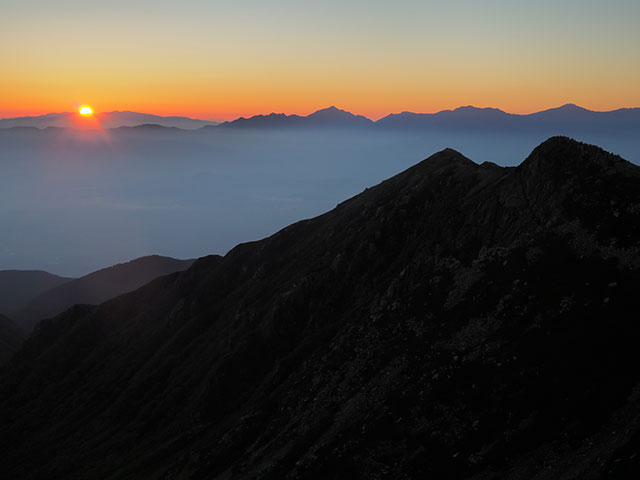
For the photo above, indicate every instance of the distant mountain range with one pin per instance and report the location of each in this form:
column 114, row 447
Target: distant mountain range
column 327, row 117
column 566, row 116
column 465, row 118
column 458, row 320
column 30, row 296
column 105, row 120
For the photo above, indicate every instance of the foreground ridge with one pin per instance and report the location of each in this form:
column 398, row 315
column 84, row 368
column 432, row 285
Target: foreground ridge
column 455, row 321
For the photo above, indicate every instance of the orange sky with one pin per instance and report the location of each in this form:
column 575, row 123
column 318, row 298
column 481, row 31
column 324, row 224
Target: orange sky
column 216, row 60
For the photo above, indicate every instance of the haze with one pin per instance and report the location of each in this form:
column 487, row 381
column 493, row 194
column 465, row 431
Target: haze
column 74, row 201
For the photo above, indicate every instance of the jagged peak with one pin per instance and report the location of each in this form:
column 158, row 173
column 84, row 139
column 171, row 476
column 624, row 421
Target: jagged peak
column 330, row 109
column 559, row 145
column 335, row 112
column 560, row 153
column 448, row 156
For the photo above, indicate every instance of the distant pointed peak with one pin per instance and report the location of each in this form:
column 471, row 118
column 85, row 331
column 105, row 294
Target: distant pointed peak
column 332, row 109
column 335, row 113
column 566, row 108
column 472, row 108
column 572, row 107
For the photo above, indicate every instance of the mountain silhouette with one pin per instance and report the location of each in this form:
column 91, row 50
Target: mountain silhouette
column 17, row 287
column 566, row 109
column 337, row 117
column 262, row 121
column 106, row 120
column 455, row 321
column 97, row 287
column 11, row 338
column 463, row 118
column 568, row 116
column 326, row 117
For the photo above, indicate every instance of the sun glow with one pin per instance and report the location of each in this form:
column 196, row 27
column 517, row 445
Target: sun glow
column 86, row 119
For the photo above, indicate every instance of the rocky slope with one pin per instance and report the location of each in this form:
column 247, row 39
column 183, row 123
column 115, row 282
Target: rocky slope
column 456, row 321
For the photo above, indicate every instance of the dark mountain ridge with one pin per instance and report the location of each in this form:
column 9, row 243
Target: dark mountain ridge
column 455, row 321
column 97, row 287
column 17, row 287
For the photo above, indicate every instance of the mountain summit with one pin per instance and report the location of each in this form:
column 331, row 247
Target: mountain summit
column 455, row 321
column 338, row 117
column 326, row 117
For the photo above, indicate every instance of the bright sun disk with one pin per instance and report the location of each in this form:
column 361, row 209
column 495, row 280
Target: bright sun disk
column 85, row 110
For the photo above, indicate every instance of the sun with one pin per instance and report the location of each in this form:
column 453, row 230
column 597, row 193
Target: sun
column 85, row 110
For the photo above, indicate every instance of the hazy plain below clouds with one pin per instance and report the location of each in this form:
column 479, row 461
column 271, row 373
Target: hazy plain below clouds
column 72, row 202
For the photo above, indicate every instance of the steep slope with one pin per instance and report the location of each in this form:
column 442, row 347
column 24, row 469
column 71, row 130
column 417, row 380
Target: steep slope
column 455, row 321
column 97, row 287
column 17, row 287
column 11, row 339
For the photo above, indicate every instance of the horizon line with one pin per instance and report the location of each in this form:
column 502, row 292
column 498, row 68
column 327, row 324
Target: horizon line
column 219, row 121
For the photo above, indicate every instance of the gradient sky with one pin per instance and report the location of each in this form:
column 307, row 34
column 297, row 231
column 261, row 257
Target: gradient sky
column 222, row 59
